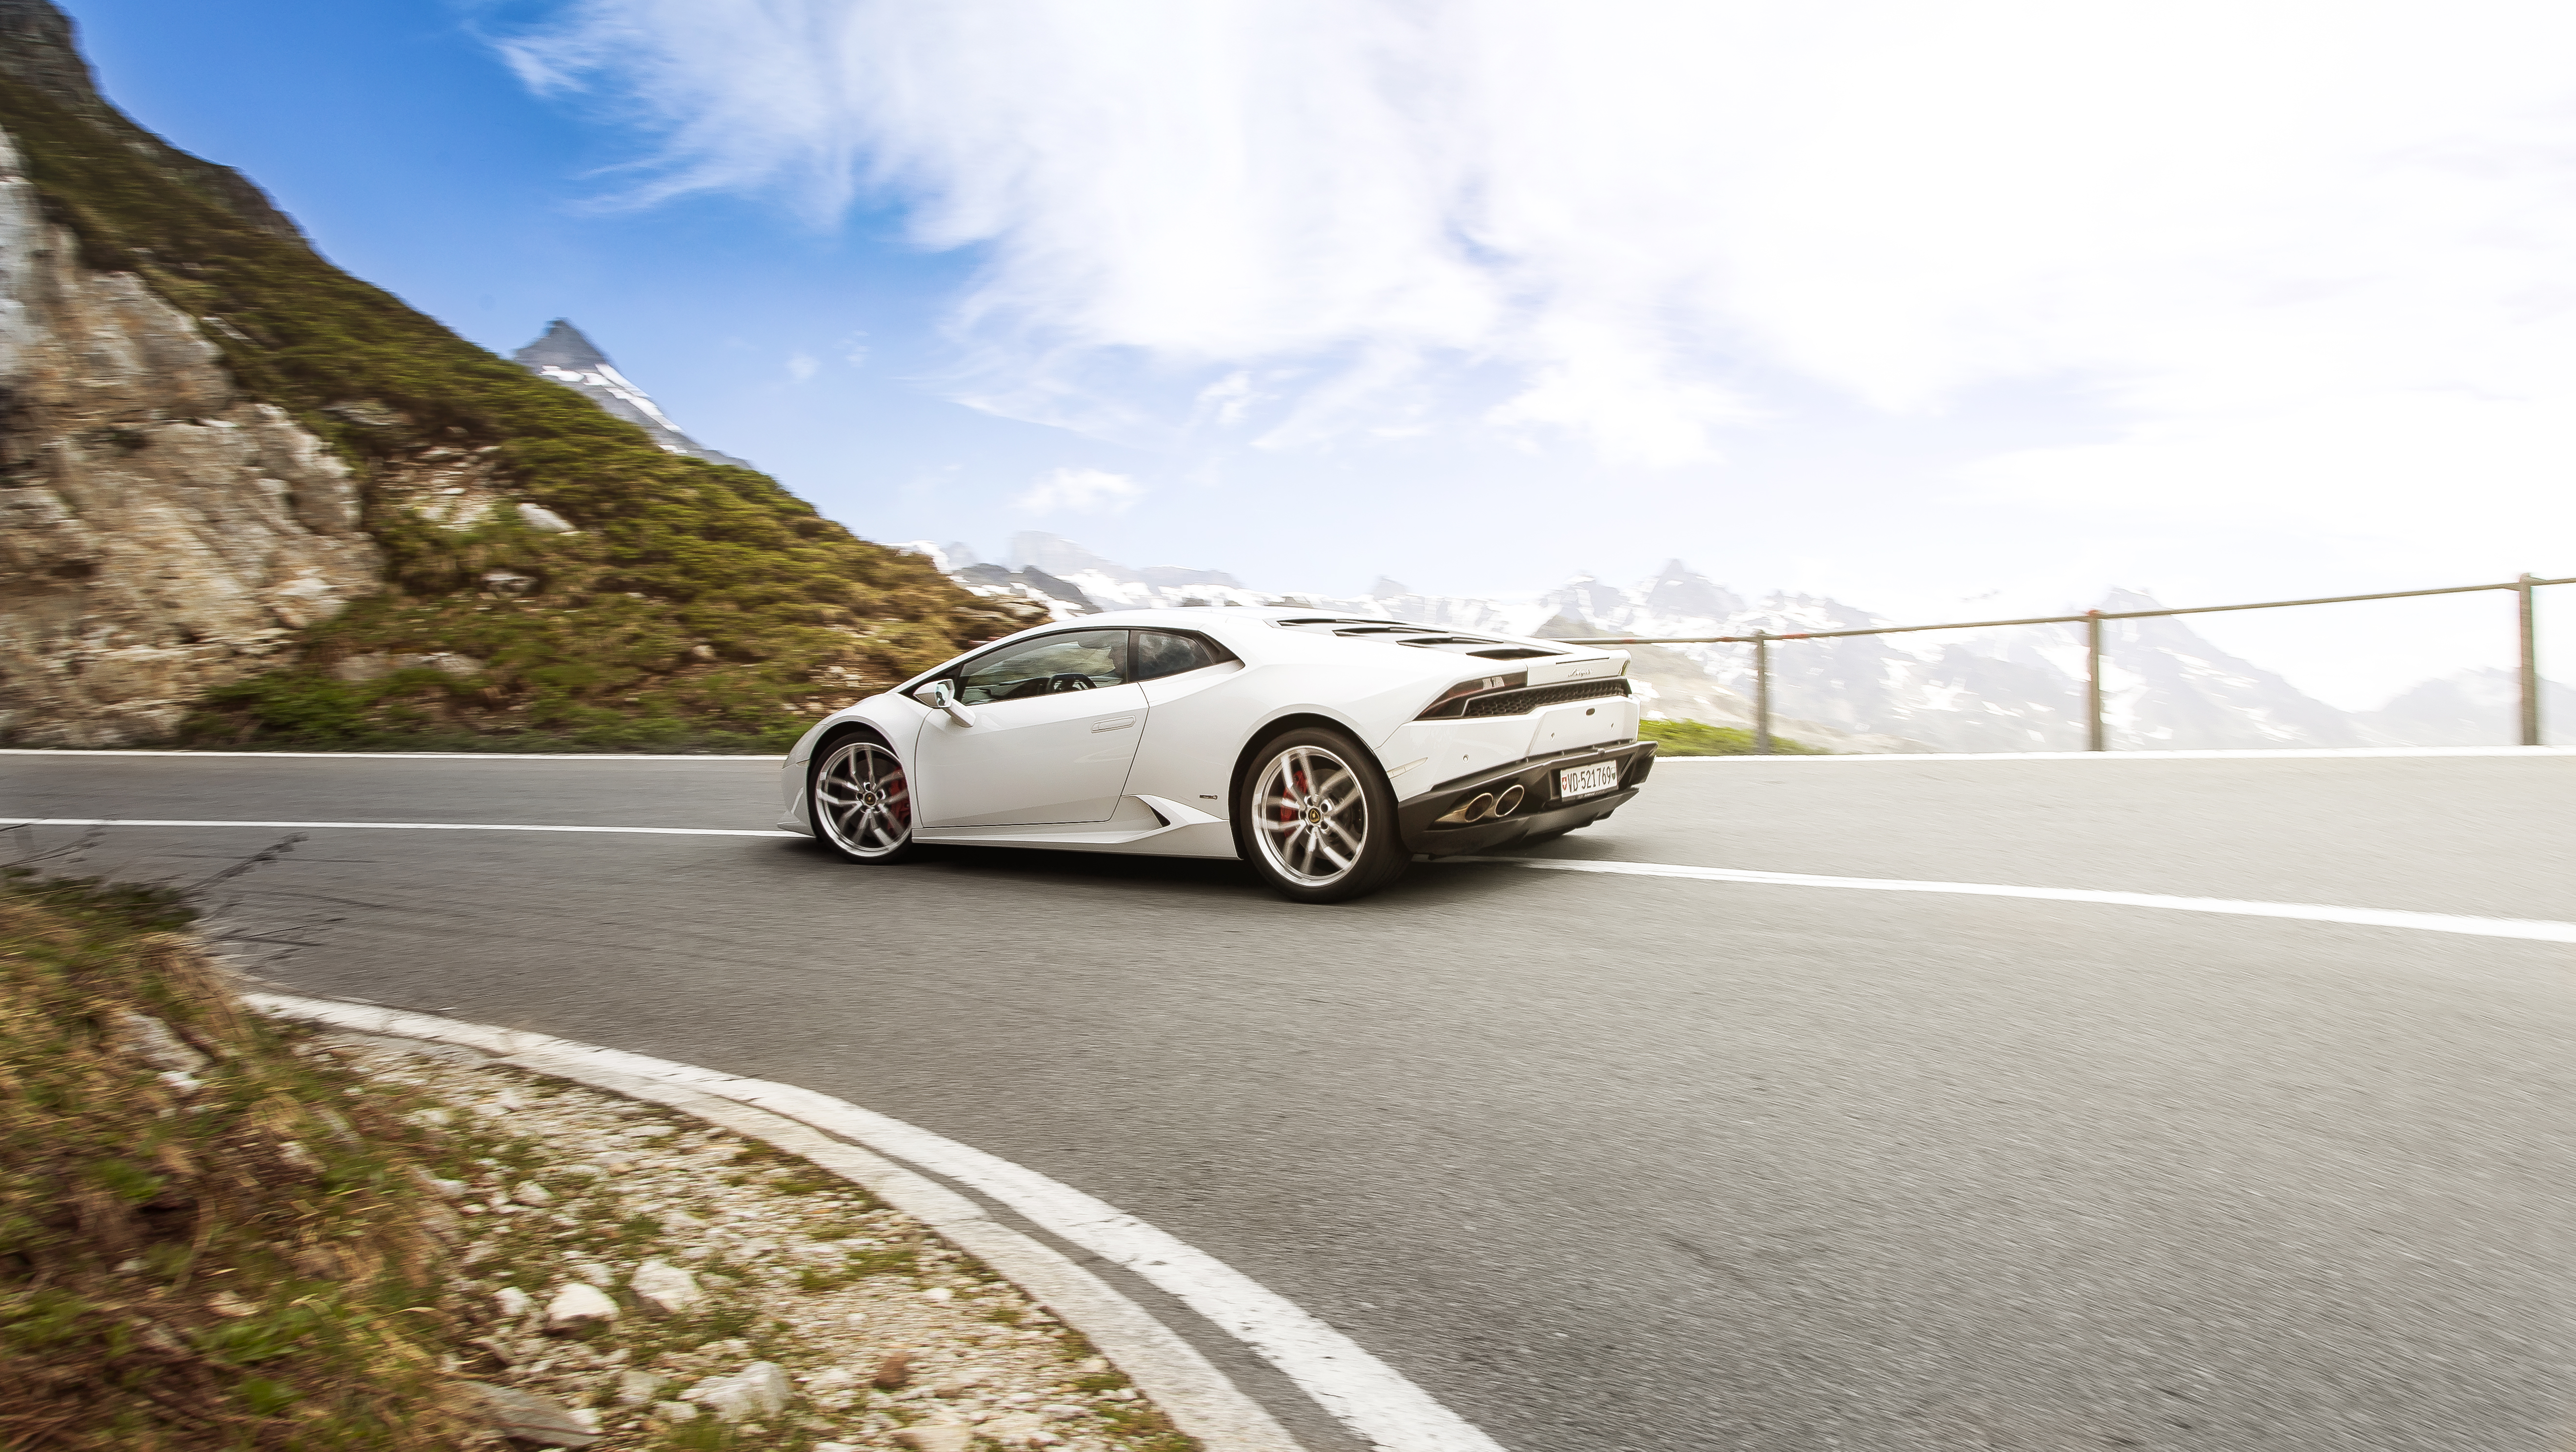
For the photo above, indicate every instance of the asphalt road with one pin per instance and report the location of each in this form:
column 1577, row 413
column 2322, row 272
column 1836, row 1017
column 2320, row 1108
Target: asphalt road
column 1614, row 1162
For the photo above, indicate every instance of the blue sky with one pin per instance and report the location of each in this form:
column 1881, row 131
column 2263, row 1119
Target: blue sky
column 416, row 160
column 1977, row 308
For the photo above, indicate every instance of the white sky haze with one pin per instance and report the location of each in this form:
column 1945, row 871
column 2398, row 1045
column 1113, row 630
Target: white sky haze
column 1899, row 302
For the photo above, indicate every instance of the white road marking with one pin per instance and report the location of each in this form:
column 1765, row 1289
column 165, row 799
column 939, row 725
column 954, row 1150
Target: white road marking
column 1371, row 1398
column 393, row 755
column 395, row 826
column 2537, row 930
column 1199, row 1397
column 2287, row 753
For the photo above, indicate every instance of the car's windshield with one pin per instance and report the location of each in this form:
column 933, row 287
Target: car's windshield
column 1077, row 661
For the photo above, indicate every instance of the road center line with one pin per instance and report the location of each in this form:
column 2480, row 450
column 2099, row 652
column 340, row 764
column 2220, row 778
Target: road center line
column 1373, row 1399
column 395, row 826
column 2536, row 930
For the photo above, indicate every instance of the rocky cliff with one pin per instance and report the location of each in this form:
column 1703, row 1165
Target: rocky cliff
column 248, row 499
column 160, row 534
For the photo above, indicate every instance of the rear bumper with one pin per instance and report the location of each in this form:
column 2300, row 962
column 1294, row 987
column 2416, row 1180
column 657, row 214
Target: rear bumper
column 1540, row 812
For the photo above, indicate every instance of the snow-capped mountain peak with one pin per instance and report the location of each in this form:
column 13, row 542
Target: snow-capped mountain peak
column 568, row 357
column 1680, row 593
column 2018, row 688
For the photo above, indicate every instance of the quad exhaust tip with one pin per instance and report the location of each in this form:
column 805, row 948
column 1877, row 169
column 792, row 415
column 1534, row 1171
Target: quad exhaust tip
column 1509, row 801
column 1478, row 807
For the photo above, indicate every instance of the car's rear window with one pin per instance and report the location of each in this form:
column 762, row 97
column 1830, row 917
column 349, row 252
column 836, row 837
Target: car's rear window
column 1160, row 653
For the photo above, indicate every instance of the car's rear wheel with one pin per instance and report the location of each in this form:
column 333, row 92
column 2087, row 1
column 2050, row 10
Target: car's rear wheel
column 1318, row 818
column 860, row 799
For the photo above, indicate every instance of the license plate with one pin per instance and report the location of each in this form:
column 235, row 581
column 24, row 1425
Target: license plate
column 1583, row 781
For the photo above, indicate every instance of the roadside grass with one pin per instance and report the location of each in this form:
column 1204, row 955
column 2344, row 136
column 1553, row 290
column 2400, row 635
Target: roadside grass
column 239, row 1254
column 1698, row 738
column 259, row 1251
column 217, row 1234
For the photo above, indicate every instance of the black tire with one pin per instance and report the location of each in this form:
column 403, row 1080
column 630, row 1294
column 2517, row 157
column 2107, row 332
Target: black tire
column 1315, row 818
column 875, row 824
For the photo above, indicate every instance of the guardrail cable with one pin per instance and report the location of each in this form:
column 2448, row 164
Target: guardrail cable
column 2091, row 620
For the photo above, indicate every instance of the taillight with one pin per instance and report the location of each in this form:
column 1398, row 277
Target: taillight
column 1453, row 701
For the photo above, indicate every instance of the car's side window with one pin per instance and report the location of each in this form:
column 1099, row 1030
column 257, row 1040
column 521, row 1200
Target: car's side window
column 1162, row 653
column 1077, row 660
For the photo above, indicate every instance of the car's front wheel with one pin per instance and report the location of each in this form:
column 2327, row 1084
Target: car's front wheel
column 1319, row 818
column 861, row 800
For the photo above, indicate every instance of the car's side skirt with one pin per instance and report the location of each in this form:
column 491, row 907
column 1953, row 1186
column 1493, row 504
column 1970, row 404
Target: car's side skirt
column 1147, row 826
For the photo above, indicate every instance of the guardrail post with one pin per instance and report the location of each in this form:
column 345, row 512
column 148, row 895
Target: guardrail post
column 1762, row 693
column 2093, row 681
column 2530, row 660
column 2096, row 738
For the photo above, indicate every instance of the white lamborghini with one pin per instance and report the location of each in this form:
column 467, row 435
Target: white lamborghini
column 1326, row 751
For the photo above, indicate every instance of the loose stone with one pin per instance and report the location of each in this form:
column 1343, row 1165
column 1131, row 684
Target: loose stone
column 635, row 1387
column 665, row 1288
column 758, row 1390
column 577, row 1306
column 528, row 1417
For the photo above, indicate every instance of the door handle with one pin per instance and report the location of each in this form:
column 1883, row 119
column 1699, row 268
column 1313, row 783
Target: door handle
column 1113, row 723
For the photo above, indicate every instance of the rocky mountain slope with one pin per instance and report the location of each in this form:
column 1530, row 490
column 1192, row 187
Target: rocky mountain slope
column 246, row 498
column 160, row 533
column 2018, row 689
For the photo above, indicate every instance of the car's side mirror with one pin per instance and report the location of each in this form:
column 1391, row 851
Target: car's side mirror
column 941, row 695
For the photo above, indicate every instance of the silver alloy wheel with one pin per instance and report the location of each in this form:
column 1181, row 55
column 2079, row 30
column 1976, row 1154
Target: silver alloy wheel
column 862, row 800
column 1310, row 816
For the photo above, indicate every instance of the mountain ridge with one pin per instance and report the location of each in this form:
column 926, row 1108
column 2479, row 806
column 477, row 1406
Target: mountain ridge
column 2015, row 689
column 39, row 50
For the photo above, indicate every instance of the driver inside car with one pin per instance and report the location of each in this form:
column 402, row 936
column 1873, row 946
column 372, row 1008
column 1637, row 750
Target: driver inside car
column 1056, row 663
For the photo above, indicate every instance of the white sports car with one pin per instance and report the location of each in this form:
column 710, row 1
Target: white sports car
column 1326, row 751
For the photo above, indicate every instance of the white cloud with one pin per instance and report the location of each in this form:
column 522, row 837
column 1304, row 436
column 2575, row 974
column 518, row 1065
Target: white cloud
column 2420, row 482
column 2260, row 228
column 1227, row 400
column 1079, row 491
column 802, row 366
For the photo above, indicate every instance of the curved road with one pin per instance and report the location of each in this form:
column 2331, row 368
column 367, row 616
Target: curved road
column 1613, row 1162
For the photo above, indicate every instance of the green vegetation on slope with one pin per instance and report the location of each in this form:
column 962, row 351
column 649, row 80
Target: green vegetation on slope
column 1698, row 738
column 229, row 1256
column 698, row 605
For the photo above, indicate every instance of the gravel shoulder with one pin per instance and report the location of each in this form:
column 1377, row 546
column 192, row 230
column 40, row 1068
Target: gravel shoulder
column 633, row 1278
